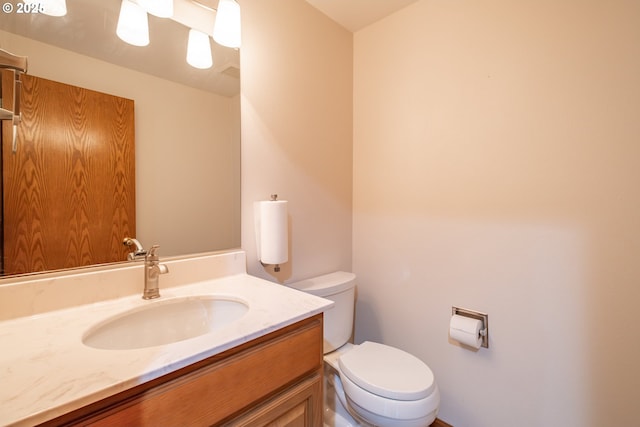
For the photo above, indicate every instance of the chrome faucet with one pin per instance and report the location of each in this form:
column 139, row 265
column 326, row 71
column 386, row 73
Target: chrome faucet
column 152, row 271
column 138, row 251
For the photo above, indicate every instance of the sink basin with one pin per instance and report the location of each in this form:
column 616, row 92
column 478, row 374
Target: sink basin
column 165, row 322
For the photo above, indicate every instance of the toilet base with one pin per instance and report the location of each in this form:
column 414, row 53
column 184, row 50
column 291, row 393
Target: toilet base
column 383, row 421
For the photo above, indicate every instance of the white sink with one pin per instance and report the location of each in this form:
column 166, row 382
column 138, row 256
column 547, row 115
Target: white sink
column 165, row 321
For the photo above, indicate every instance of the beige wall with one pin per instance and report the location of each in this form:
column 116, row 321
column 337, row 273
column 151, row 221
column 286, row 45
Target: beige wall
column 496, row 167
column 186, row 142
column 297, row 132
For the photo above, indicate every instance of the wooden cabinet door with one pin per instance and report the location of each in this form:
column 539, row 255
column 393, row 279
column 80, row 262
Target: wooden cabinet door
column 69, row 187
column 301, row 406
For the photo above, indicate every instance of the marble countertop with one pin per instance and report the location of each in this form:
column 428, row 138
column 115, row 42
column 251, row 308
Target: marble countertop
column 46, row 370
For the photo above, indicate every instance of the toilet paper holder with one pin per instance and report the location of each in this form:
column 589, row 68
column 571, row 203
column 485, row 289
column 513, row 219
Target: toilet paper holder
column 483, row 317
column 271, row 228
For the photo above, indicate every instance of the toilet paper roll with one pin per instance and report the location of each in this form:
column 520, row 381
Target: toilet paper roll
column 466, row 330
column 272, row 231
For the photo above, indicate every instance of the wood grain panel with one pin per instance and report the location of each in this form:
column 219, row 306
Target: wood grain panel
column 301, row 406
column 69, row 190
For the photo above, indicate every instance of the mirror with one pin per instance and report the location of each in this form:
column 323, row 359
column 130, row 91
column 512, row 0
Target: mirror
column 187, row 120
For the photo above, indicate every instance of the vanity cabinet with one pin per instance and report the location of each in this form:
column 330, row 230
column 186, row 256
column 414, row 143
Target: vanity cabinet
column 273, row 380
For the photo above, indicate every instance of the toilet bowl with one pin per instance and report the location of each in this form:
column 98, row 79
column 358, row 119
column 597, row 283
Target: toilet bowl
column 382, row 386
column 369, row 384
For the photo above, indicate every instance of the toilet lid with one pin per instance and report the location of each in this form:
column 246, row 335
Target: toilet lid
column 387, row 371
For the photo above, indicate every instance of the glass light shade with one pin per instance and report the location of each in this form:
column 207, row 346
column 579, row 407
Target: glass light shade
column 159, row 8
column 199, row 50
column 133, row 24
column 226, row 29
column 50, row 7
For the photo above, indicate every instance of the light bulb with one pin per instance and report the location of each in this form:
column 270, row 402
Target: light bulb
column 226, row 29
column 133, row 24
column 199, row 50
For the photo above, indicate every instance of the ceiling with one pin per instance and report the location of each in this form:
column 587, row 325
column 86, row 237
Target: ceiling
column 89, row 29
column 357, row 14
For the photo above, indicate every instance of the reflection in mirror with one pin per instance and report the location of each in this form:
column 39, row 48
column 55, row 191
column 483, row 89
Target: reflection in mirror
column 187, row 120
column 68, row 181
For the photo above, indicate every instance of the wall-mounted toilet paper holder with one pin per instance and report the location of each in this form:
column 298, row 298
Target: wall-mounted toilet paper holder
column 483, row 317
column 271, row 227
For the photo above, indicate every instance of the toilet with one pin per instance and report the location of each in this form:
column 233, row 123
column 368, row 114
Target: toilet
column 368, row 384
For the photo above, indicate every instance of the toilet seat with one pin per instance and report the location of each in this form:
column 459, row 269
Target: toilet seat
column 387, row 371
column 388, row 382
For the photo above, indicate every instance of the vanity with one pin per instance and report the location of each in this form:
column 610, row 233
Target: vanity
column 65, row 359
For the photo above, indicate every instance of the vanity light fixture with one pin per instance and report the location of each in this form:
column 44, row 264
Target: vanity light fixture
column 48, row 7
column 133, row 24
column 199, row 50
column 226, row 30
column 223, row 24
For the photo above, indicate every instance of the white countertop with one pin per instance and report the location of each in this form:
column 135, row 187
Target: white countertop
column 46, row 370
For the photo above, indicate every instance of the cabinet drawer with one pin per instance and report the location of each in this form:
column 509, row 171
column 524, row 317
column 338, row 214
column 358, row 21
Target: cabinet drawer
column 223, row 389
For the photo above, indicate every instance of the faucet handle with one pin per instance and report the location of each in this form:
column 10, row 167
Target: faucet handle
column 152, row 253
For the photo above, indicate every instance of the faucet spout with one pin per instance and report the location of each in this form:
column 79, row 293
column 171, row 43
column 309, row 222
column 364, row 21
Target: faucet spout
column 152, row 271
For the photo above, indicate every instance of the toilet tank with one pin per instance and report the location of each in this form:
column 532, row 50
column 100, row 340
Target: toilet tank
column 338, row 287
